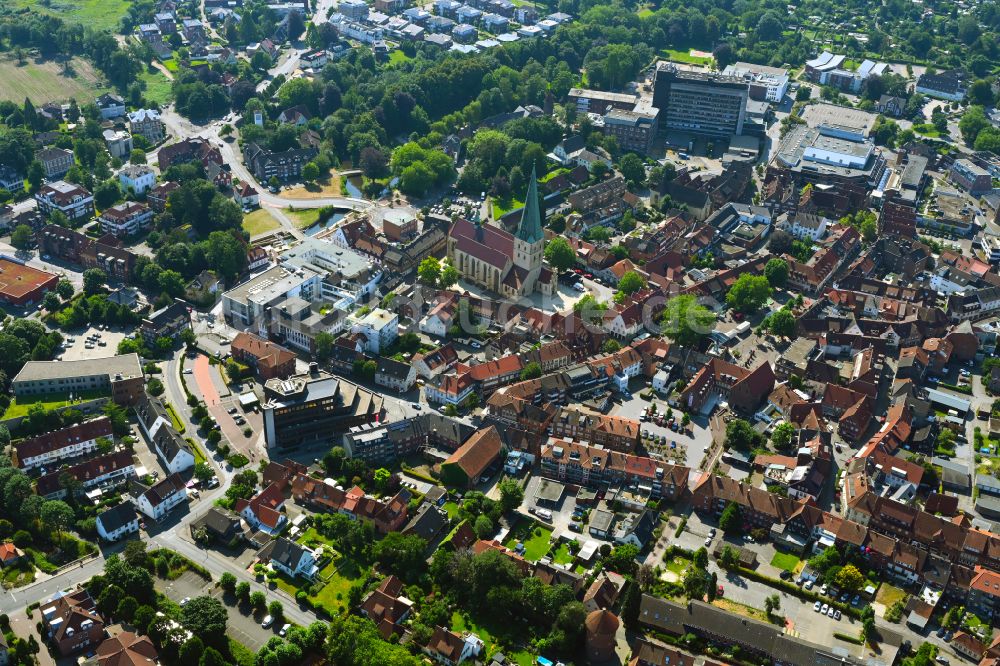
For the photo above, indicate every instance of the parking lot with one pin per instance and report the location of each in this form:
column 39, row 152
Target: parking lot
column 244, row 628
column 561, row 512
column 693, row 443
column 801, row 618
column 88, row 343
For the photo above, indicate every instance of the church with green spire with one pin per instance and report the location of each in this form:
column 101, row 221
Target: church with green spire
column 510, row 265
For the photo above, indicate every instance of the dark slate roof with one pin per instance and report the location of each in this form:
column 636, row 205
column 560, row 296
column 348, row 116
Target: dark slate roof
column 117, row 516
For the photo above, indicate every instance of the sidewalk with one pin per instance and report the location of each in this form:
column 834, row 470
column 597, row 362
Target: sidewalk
column 23, row 626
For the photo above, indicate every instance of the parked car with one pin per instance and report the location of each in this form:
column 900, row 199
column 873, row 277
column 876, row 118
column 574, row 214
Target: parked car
column 824, row 608
column 836, row 615
column 267, row 621
column 816, row 606
column 284, row 629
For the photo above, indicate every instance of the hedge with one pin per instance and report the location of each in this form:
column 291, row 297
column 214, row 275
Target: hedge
column 680, row 528
column 848, row 638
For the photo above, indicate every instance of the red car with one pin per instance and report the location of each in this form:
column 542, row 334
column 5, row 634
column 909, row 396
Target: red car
column 720, row 592
column 578, row 271
column 588, row 276
column 738, row 316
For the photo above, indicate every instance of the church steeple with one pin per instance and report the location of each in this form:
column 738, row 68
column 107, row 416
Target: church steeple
column 530, row 228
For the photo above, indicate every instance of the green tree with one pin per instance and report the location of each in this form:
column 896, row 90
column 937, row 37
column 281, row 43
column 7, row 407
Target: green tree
column 748, row 293
column 94, row 280
column 402, row 555
column 310, row 172
column 449, row 275
column 776, row 272
column 35, row 176
column 685, row 321
column 630, row 283
column 50, row 301
column 21, row 237
column 781, row 437
column 227, row 581
column 560, row 254
column 973, row 122
column 849, row 578
column 632, row 168
column 57, row 516
column 206, row 618
column 511, row 494
column 622, row 559
column 741, row 436
column 65, row 289
column 531, row 370
column 772, row 603
column 730, row 521
column 191, row 651
column 429, row 271
column 323, row 346
column 782, row 323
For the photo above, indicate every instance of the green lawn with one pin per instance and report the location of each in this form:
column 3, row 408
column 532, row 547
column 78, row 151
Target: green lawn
column 199, row 455
column 451, row 508
column 258, row 222
column 304, row 217
column 311, row 538
column 175, row 419
column 170, row 64
column 158, row 87
column 460, row 624
column 552, row 174
column 678, row 565
column 685, row 56
column 562, row 555
column 927, row 129
column 397, row 57
column 333, row 595
column 889, row 594
column 785, row 561
column 503, row 206
column 55, row 401
column 534, row 536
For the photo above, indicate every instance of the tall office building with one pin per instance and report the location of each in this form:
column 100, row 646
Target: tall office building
column 705, row 103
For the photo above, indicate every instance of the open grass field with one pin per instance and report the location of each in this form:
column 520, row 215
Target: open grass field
column 157, row 87
column 258, row 222
column 97, row 14
column 45, row 82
